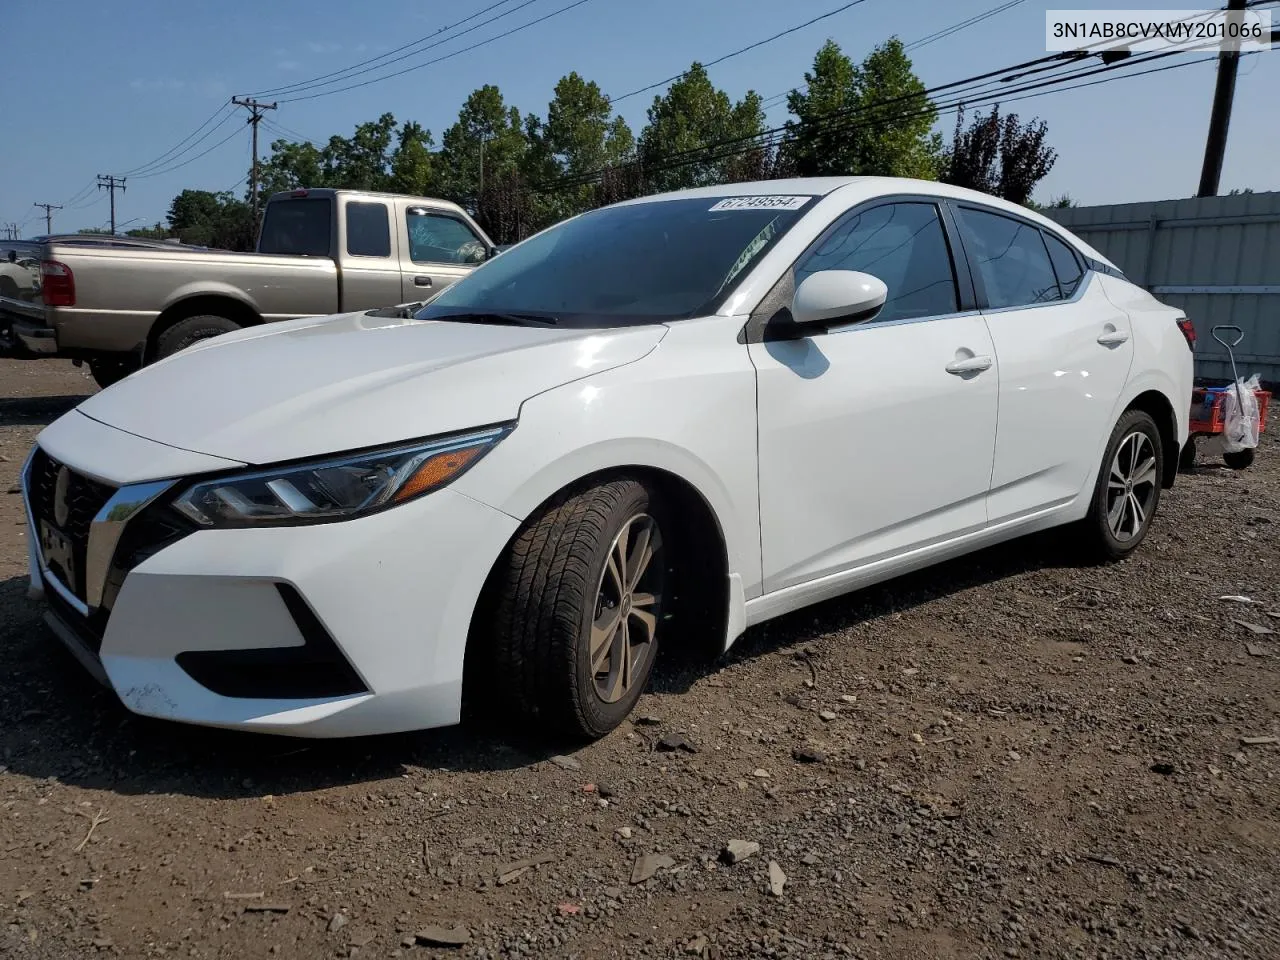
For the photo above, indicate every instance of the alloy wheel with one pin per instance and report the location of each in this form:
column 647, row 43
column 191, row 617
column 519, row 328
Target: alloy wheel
column 628, row 608
column 1131, row 487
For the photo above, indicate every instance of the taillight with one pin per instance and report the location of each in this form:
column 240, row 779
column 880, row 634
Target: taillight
column 1188, row 330
column 59, row 284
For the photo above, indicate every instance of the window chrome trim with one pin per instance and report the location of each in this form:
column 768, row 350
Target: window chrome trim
column 1085, row 283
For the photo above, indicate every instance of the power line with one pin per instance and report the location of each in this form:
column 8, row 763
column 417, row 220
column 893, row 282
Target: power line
column 742, row 50
column 179, row 166
column 346, row 73
column 447, row 56
column 962, row 25
column 175, row 151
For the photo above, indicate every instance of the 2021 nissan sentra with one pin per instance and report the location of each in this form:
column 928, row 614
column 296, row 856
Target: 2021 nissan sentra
column 661, row 421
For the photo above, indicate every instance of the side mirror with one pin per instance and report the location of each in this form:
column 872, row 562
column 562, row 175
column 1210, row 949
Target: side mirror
column 831, row 298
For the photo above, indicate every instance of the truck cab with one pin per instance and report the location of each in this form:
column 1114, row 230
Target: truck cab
column 389, row 248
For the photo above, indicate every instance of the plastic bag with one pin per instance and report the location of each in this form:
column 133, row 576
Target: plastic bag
column 1240, row 423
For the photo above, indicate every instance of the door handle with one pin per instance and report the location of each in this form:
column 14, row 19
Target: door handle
column 422, row 281
column 1113, row 338
column 969, row 365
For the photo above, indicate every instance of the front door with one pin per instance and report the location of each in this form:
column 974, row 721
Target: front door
column 442, row 249
column 876, row 438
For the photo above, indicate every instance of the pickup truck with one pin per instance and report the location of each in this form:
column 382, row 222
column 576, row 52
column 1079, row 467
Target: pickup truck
column 118, row 303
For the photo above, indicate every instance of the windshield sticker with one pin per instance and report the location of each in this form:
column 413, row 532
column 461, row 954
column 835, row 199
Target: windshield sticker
column 761, row 203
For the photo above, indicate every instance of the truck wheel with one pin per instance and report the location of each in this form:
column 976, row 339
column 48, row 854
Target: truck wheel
column 107, row 372
column 186, row 332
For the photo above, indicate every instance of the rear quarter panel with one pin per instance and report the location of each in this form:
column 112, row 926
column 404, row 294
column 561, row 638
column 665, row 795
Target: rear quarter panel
column 1161, row 358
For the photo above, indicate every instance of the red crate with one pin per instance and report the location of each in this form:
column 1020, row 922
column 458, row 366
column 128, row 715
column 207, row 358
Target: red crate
column 1207, row 409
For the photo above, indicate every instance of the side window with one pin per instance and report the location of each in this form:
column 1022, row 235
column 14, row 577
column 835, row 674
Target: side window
column 1012, row 259
column 902, row 244
column 434, row 238
column 368, row 230
column 1065, row 264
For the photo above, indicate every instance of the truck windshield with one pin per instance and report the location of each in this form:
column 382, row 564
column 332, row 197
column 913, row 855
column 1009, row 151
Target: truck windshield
column 649, row 262
column 300, row 227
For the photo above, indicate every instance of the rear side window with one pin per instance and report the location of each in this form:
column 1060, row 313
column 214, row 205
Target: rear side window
column 368, row 230
column 902, row 244
column 434, row 238
column 299, row 228
column 1012, row 259
column 1065, row 264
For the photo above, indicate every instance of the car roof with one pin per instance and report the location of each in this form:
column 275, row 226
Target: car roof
column 870, row 186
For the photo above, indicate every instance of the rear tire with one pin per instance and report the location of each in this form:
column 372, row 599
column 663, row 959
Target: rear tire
column 186, row 332
column 1127, row 492
column 580, row 610
column 1239, row 459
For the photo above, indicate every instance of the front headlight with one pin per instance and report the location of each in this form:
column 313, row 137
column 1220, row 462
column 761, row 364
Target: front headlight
column 335, row 488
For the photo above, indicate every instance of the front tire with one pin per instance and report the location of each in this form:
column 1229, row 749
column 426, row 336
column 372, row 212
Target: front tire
column 1127, row 493
column 580, row 610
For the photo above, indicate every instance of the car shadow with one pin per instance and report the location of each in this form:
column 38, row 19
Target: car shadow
column 57, row 723
column 36, row 411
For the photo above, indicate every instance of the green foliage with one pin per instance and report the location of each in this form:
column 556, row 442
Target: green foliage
column 487, row 140
column 999, row 155
column 157, row 232
column 870, row 119
column 690, row 115
column 209, row 219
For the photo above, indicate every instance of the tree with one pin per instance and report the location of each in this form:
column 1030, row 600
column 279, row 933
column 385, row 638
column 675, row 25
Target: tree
column 579, row 138
column 487, row 141
column 158, row 232
column 209, row 219
column 999, row 155
column 870, row 119
column 1024, row 158
column 689, row 118
column 412, row 168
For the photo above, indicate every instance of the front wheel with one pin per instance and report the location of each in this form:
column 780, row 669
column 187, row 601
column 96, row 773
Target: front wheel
column 1128, row 489
column 580, row 610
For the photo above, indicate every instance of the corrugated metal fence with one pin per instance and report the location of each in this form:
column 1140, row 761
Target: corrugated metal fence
column 1218, row 258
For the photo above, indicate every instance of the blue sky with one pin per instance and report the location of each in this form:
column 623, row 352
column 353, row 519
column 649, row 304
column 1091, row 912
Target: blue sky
column 116, row 85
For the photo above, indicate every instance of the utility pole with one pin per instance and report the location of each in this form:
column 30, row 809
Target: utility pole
column 11, row 231
column 48, row 214
column 111, row 183
column 1215, row 146
column 256, row 110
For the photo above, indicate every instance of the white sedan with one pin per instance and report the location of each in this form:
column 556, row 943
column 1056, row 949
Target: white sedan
column 663, row 421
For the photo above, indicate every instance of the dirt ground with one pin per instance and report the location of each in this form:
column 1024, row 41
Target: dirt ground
column 1008, row 756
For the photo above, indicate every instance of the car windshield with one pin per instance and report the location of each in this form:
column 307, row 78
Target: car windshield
column 637, row 263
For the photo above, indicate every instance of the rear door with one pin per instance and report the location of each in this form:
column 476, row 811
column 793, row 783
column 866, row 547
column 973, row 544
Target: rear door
column 368, row 263
column 440, row 248
column 1064, row 352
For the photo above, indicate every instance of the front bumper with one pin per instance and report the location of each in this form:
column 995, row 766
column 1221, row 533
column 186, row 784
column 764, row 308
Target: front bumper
column 394, row 593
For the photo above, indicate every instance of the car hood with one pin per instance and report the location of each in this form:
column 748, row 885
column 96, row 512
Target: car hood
column 319, row 385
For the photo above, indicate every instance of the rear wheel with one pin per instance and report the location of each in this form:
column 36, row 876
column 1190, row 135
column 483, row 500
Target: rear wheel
column 1128, row 489
column 186, row 332
column 580, row 610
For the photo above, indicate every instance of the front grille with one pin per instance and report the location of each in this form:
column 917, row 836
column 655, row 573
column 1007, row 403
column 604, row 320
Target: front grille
column 84, row 498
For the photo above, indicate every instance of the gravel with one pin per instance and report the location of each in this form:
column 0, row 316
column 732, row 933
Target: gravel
column 1027, row 758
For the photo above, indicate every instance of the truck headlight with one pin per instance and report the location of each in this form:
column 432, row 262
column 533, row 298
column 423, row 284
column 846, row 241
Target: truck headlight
column 334, row 488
